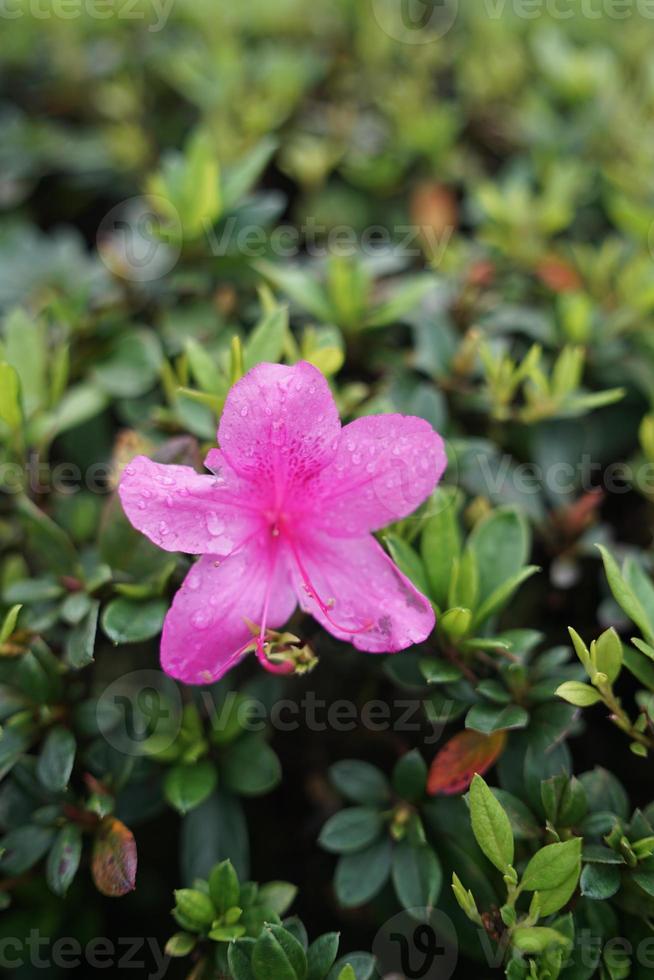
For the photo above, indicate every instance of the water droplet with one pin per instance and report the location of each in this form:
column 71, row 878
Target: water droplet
column 215, row 525
column 244, row 411
column 129, row 470
column 200, row 620
column 356, row 458
column 163, row 529
column 193, row 581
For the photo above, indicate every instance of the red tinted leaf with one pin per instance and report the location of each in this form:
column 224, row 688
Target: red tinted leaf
column 114, row 858
column 457, row 762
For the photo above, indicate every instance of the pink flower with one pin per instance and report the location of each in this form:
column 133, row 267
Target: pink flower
column 287, row 517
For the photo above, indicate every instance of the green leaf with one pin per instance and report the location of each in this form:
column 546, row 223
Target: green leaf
column 491, row 825
column 10, row 408
column 579, row 694
column 361, row 965
column 55, row 763
column 499, row 598
column 489, row 718
column 63, row 859
column 194, row 907
column 224, row 888
column 553, row 865
column 214, row 831
column 600, row 881
column 523, row 823
column 9, row 623
column 26, row 351
column 536, row 940
column 24, row 847
column 125, row 621
column 181, row 944
column 187, row 786
column 350, row 830
column 406, row 297
column 360, row 782
column 624, row 595
column 321, row 956
column 410, row 777
column 300, row 285
column 238, row 179
column 440, row 671
column 293, row 949
column 249, row 766
column 239, row 962
column 407, row 560
column 270, row 959
column 441, row 543
column 360, row 876
column 50, row 543
column 417, row 875
column 267, row 340
column 278, row 896
column 501, row 543
column 80, row 642
column 608, row 654
column 132, row 367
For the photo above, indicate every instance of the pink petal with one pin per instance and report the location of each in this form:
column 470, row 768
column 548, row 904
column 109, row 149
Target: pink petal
column 355, row 591
column 385, row 467
column 205, row 629
column 181, row 510
column 280, row 424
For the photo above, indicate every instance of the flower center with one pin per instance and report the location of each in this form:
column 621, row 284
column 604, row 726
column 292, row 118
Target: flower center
column 277, row 521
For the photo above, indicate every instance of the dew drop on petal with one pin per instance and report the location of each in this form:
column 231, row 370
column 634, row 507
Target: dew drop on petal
column 215, row 525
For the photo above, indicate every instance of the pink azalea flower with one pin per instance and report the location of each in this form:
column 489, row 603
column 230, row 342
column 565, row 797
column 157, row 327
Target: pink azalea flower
column 287, row 517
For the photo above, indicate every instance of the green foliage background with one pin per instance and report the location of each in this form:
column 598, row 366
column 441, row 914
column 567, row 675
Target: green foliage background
column 450, row 216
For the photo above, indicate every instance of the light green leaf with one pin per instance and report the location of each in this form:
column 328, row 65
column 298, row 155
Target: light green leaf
column 491, row 825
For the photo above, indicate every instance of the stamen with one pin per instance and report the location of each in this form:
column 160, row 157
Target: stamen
column 286, row 667
column 325, row 607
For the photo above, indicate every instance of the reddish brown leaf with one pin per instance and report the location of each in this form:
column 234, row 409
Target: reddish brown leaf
column 558, row 275
column 457, row 762
column 114, row 858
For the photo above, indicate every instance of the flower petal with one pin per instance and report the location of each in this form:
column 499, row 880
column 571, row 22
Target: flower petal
column 385, row 467
column 355, row 591
column 280, row 424
column 205, row 629
column 181, row 510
